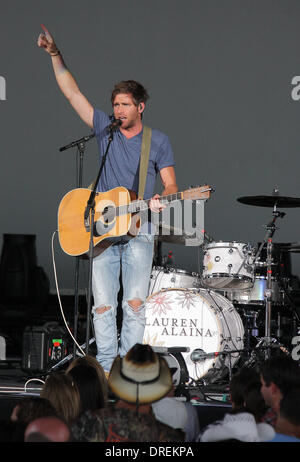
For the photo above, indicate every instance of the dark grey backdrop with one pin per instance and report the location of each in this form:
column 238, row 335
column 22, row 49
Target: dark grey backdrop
column 219, row 74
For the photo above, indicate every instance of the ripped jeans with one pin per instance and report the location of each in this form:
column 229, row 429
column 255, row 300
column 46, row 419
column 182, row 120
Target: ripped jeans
column 134, row 256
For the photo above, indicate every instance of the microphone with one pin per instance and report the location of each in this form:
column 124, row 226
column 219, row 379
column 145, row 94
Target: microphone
column 200, row 355
column 114, row 125
column 75, row 143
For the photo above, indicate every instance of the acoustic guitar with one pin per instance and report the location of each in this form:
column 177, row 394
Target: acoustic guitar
column 116, row 214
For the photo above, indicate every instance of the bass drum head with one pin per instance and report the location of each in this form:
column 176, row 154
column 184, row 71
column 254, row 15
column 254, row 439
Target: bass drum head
column 197, row 319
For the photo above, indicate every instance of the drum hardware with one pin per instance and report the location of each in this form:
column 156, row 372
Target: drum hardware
column 177, row 365
column 199, row 355
column 273, row 201
column 258, row 354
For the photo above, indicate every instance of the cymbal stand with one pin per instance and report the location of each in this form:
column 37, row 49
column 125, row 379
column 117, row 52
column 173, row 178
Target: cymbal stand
column 271, row 228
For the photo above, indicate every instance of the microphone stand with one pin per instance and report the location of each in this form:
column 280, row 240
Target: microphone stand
column 80, row 151
column 89, row 216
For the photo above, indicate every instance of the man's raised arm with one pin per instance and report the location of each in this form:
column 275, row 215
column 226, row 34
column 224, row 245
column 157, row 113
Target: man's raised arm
column 65, row 80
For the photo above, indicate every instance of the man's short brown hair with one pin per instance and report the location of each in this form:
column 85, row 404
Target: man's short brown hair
column 138, row 92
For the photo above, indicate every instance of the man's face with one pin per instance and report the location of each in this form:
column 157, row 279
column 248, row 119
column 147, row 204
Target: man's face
column 125, row 110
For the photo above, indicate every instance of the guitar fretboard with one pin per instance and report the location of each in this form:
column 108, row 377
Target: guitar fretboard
column 141, row 205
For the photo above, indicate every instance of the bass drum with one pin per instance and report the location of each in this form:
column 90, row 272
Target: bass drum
column 197, row 319
column 169, row 278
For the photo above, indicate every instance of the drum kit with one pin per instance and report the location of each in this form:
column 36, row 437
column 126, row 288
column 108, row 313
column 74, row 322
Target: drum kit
column 207, row 325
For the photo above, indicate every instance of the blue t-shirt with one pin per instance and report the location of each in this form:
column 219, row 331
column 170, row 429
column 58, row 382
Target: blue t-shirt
column 281, row 438
column 123, row 158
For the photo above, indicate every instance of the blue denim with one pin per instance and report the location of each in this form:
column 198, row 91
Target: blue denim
column 134, row 256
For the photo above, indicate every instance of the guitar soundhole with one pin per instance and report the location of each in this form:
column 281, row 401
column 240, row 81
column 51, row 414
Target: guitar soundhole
column 105, row 221
column 108, row 215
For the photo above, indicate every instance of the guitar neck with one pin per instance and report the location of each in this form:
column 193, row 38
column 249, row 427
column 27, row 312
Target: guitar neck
column 135, row 206
column 142, row 205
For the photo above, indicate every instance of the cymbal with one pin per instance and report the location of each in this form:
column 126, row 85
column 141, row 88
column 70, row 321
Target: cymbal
column 270, row 201
column 295, row 248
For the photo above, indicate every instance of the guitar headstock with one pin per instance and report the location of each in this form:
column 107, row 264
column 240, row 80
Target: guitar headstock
column 200, row 192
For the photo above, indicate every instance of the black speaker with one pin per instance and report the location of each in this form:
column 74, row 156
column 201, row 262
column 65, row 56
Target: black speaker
column 18, row 260
column 43, row 347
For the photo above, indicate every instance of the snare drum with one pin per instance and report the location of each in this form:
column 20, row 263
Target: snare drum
column 197, row 319
column 169, row 278
column 228, row 265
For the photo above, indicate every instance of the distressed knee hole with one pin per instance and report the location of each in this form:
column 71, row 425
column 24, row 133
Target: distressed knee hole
column 102, row 309
column 135, row 303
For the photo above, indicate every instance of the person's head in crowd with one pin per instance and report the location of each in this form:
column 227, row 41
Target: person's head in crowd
column 62, row 392
column 92, row 362
column 254, row 401
column 32, row 407
column 47, row 429
column 89, row 387
column 239, row 383
column 140, row 378
column 278, row 375
column 288, row 420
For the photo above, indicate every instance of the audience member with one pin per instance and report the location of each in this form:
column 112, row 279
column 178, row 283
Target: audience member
column 89, row 387
column 242, row 423
column 238, row 426
column 32, row 407
column 179, row 415
column 254, row 401
column 61, row 390
column 288, row 420
column 91, row 361
column 278, row 375
column 137, row 380
column 239, row 383
column 47, row 429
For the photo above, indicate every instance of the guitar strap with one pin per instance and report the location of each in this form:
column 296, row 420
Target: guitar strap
column 145, row 152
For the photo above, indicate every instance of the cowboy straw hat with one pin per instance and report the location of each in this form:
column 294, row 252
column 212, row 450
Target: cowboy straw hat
column 141, row 376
